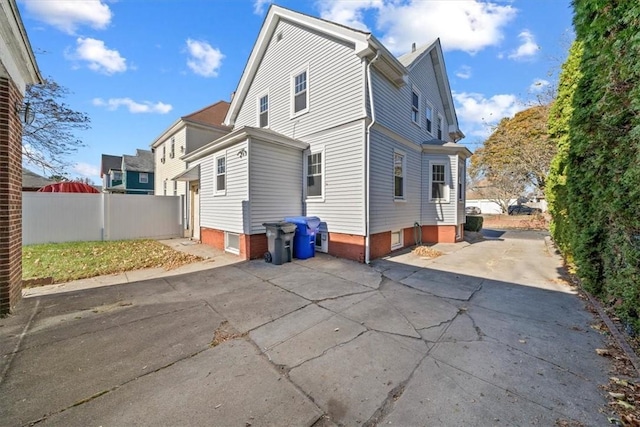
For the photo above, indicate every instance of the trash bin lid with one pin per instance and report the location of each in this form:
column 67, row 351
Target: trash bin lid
column 284, row 226
column 305, row 222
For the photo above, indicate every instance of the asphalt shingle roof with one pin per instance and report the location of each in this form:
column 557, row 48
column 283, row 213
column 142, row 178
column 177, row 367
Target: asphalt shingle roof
column 141, row 162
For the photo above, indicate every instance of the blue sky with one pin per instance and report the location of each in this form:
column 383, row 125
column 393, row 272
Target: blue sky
column 136, row 66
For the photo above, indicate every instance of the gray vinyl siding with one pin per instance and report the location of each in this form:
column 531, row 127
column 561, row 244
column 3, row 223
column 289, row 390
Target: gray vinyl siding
column 387, row 214
column 335, row 82
column 275, row 184
column 393, row 104
column 197, row 138
column 224, row 212
column 343, row 205
column 439, row 212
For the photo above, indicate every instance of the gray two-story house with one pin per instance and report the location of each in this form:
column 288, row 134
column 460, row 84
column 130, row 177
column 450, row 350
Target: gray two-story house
column 328, row 123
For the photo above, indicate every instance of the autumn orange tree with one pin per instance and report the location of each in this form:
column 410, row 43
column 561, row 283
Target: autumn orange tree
column 516, row 156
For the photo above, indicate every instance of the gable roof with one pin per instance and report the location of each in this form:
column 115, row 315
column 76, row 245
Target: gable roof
column 33, row 180
column 110, row 162
column 434, row 49
column 211, row 116
column 141, row 162
column 365, row 45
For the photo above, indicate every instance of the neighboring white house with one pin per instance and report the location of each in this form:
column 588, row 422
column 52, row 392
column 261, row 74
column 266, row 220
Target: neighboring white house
column 185, row 135
column 328, row 123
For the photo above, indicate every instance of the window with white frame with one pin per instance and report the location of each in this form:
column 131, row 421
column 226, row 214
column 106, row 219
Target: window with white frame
column 116, row 176
column 172, row 152
column 263, row 111
column 175, row 188
column 396, row 239
column 439, row 127
column 164, row 187
column 438, row 182
column 429, row 116
column 164, row 153
column 314, row 174
column 300, row 92
column 415, row 106
column 398, row 175
column 221, row 174
column 143, row 178
column 461, row 173
column 232, row 242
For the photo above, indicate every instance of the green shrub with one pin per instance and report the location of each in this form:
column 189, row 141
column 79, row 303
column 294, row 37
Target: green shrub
column 474, row 223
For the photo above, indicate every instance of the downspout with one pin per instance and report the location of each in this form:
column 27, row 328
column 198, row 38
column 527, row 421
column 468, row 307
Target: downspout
column 367, row 158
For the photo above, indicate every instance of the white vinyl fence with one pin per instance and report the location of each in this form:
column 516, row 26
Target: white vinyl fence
column 71, row 217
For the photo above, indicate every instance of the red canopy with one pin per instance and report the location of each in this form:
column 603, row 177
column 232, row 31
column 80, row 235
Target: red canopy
column 68, row 187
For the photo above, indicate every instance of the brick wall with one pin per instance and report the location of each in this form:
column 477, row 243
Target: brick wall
column 10, row 197
column 439, row 233
column 212, row 237
column 253, row 246
column 347, row 246
column 380, row 244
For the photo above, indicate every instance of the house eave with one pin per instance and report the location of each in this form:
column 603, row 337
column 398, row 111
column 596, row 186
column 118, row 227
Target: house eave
column 449, row 148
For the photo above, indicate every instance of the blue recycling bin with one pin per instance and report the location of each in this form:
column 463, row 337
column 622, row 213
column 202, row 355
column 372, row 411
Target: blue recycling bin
column 304, row 241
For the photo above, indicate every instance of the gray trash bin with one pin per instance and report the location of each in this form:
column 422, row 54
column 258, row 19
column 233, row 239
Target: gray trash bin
column 279, row 242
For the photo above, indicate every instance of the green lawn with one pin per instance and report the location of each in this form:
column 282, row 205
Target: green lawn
column 79, row 260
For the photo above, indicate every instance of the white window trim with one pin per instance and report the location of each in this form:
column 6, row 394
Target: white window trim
column 404, row 176
column 140, row 181
column 401, row 242
column 172, row 151
column 461, row 180
column 292, row 84
column 262, row 95
column 419, row 115
column 447, row 182
column 441, row 121
column 307, row 153
column 433, row 125
column 227, row 248
column 217, row 192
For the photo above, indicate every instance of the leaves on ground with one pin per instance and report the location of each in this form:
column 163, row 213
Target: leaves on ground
column 80, row 260
column 426, row 252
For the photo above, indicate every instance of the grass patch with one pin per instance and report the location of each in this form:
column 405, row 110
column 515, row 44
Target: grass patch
column 64, row 262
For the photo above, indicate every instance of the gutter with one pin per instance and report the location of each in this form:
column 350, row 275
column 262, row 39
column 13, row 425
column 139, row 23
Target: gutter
column 367, row 159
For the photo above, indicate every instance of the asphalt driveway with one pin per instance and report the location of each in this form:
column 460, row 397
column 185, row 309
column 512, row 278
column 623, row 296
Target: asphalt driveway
column 487, row 334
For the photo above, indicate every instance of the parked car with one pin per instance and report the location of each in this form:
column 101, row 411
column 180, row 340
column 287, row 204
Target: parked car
column 523, row 210
column 472, row 210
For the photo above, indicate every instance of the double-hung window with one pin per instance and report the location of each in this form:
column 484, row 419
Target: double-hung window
column 398, row 175
column 438, row 182
column 429, row 115
column 314, row 175
column 439, row 127
column 143, row 178
column 415, row 106
column 300, row 91
column 461, row 179
column 221, row 174
column 172, row 152
column 263, row 111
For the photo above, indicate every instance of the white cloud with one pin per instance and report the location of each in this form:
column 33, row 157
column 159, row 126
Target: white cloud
column 479, row 114
column 464, row 72
column 86, row 170
column 204, row 60
column 98, row 56
column 68, row 15
column 538, row 85
column 258, row 6
column 134, row 107
column 527, row 49
column 348, row 13
column 469, row 26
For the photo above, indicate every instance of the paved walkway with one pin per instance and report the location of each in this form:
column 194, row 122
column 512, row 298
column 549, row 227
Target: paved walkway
column 486, row 334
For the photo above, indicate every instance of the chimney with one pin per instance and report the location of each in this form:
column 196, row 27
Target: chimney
column 413, row 47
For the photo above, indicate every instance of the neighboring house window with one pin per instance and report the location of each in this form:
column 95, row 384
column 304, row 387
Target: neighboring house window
column 164, row 187
column 117, row 176
column 300, row 82
column 175, row 188
column 314, row 175
column 164, row 153
column 439, row 128
column 398, row 175
column 415, row 106
column 396, row 239
column 461, row 179
column 143, row 178
column 438, row 182
column 263, row 111
column 429, row 116
column 221, row 174
column 172, row 152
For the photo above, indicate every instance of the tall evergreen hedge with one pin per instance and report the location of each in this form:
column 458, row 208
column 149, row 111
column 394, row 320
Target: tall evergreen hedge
column 603, row 162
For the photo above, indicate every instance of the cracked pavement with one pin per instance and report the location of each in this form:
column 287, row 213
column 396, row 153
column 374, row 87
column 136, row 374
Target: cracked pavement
column 486, row 334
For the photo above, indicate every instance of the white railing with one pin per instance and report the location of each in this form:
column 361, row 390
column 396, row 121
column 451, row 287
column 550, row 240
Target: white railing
column 70, row 217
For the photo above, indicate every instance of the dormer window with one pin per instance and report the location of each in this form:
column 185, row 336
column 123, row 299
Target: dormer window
column 415, row 106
